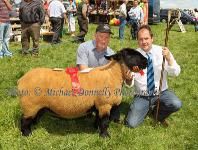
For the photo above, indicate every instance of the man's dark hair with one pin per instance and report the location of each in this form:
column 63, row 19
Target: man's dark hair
column 147, row 27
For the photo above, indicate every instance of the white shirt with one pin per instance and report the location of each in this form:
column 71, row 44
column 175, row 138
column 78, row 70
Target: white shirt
column 140, row 81
column 136, row 13
column 56, row 9
column 123, row 10
column 196, row 15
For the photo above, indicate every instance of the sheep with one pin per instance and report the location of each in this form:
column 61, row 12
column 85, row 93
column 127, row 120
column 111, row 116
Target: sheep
column 46, row 88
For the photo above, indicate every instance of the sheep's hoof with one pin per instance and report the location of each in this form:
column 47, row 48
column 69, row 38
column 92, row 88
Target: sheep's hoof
column 105, row 135
column 26, row 132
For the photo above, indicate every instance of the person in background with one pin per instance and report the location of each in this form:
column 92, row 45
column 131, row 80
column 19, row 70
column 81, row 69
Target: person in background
column 56, row 12
column 91, row 54
column 82, row 16
column 71, row 20
column 136, row 18
column 5, row 28
column 104, row 5
column 32, row 15
column 145, row 11
column 46, row 5
column 63, row 22
column 122, row 17
column 196, row 19
column 147, row 85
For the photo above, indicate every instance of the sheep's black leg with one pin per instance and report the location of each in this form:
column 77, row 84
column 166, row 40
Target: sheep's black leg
column 97, row 120
column 115, row 114
column 26, row 126
column 27, row 122
column 39, row 114
column 90, row 112
column 103, row 126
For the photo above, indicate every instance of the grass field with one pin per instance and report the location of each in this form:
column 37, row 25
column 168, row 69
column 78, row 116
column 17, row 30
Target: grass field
column 54, row 133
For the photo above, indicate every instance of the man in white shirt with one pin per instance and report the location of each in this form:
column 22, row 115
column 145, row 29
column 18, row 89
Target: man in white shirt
column 56, row 12
column 136, row 18
column 144, row 99
column 122, row 17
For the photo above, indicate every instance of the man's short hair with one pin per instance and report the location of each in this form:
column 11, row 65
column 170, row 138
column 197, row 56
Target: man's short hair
column 146, row 27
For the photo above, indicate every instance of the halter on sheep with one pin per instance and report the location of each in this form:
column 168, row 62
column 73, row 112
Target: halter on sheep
column 55, row 86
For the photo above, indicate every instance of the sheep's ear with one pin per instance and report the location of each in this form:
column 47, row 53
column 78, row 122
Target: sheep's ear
column 116, row 57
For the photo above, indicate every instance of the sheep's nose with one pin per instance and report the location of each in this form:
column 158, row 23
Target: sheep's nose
column 146, row 62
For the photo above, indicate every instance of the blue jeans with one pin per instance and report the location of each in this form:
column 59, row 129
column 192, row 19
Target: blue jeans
column 4, row 39
column 169, row 103
column 121, row 27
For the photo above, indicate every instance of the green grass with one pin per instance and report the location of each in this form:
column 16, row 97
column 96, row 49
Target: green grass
column 54, row 133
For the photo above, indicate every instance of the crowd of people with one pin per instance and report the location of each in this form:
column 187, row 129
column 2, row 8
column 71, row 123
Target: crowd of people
column 33, row 13
column 136, row 16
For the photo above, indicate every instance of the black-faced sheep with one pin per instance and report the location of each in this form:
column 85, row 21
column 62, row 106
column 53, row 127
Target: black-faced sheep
column 45, row 88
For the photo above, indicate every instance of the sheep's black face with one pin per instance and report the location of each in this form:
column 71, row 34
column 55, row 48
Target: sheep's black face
column 133, row 58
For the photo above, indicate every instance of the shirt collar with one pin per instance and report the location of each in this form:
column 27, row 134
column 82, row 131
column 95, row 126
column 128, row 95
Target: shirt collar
column 144, row 53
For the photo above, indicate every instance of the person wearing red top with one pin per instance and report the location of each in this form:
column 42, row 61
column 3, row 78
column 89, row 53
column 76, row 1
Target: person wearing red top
column 45, row 5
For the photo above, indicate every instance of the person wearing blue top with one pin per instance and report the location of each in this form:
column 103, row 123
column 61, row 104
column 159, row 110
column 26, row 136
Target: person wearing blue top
column 136, row 18
column 91, row 54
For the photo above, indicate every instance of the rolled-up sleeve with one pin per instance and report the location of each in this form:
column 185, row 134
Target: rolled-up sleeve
column 82, row 58
column 174, row 69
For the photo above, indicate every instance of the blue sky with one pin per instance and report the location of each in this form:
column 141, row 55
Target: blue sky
column 179, row 4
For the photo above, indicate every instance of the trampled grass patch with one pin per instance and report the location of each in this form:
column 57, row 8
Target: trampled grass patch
column 55, row 133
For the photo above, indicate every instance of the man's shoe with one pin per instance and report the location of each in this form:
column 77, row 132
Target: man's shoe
column 79, row 41
column 59, row 41
column 35, row 54
column 7, row 53
column 164, row 123
column 24, row 53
